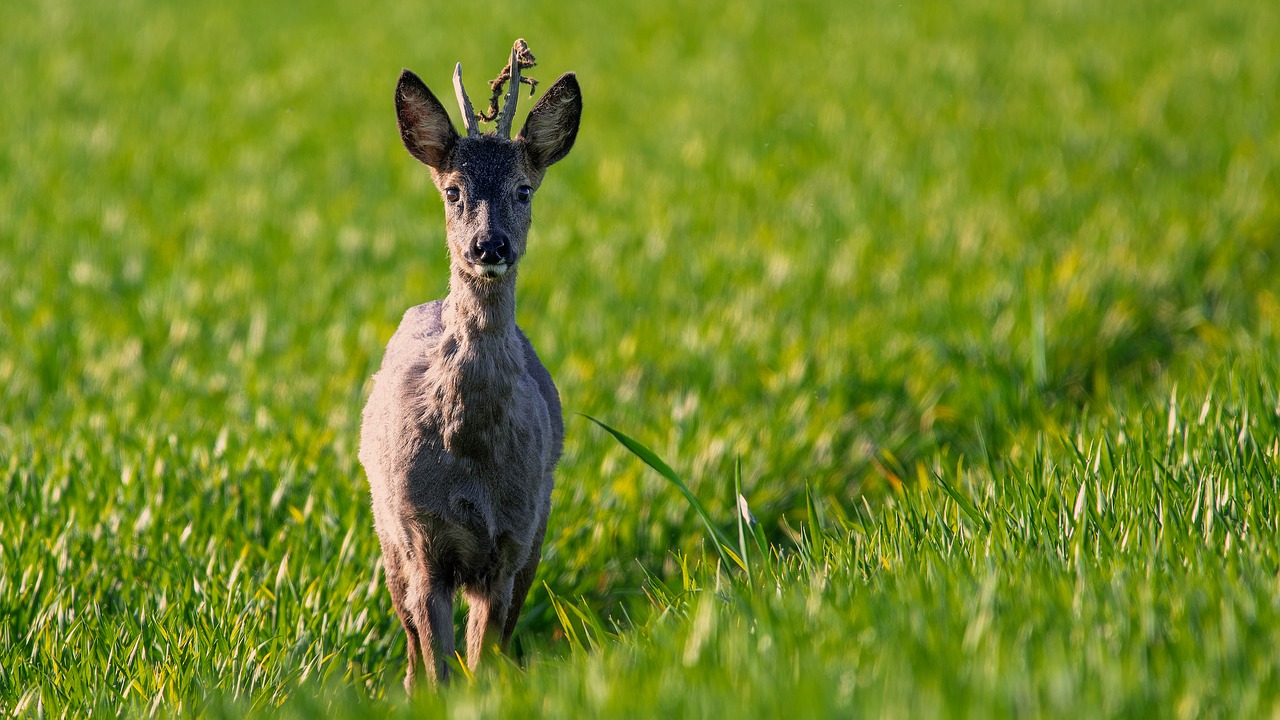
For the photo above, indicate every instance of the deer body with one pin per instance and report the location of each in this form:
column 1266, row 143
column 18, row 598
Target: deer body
column 463, row 427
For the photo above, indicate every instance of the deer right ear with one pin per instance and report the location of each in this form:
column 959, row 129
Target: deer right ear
column 552, row 125
column 425, row 127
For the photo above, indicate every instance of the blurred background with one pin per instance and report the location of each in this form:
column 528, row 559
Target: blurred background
column 841, row 243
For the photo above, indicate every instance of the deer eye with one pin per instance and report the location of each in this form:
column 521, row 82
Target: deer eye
column 452, row 194
column 524, row 193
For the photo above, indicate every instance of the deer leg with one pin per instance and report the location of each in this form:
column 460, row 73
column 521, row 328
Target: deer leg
column 520, row 588
column 488, row 605
column 412, row 652
column 434, row 618
column 399, row 588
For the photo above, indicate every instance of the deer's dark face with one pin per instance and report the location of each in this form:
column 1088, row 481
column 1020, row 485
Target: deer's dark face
column 488, row 182
column 488, row 193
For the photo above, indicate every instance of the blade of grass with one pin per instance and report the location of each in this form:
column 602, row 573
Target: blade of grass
column 816, row 535
column 718, row 538
column 742, row 516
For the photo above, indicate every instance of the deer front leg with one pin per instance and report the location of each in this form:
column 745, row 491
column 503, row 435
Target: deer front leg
column 488, row 611
column 436, row 628
column 398, row 585
column 523, row 581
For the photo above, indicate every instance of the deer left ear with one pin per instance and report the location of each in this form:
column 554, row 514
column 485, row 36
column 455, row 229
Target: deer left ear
column 425, row 127
column 552, row 125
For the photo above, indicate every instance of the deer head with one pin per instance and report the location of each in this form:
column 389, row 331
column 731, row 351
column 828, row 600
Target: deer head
column 488, row 180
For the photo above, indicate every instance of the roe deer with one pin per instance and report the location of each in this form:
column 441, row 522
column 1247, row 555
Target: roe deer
column 463, row 427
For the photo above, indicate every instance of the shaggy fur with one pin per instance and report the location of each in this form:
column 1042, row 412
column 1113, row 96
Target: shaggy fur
column 463, row 427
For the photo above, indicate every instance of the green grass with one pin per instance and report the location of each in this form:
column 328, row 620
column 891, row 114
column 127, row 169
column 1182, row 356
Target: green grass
column 977, row 304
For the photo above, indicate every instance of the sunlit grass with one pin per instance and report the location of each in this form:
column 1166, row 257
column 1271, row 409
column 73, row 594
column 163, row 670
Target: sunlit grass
column 976, row 307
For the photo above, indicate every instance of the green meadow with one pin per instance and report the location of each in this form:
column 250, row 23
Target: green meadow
column 975, row 305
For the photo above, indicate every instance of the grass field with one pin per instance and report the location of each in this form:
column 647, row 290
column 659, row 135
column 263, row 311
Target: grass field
column 978, row 303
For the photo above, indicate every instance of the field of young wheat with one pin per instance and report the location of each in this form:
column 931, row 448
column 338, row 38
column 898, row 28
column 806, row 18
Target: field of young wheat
column 975, row 305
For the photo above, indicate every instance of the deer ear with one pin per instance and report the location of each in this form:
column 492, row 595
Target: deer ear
column 425, row 127
column 552, row 125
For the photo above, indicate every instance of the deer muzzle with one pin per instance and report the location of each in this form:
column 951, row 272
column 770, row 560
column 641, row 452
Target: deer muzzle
column 492, row 254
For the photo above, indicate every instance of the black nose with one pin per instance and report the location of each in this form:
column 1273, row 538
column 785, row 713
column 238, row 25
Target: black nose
column 493, row 249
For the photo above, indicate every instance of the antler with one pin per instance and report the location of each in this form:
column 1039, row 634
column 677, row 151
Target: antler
column 520, row 57
column 464, row 103
column 513, row 91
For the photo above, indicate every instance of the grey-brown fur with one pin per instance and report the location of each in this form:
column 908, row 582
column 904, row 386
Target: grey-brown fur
column 463, row 427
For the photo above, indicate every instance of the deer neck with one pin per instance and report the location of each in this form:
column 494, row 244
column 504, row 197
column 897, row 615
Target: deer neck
column 478, row 362
column 480, row 310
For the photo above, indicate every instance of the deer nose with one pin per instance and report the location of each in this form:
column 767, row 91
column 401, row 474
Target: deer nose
column 492, row 250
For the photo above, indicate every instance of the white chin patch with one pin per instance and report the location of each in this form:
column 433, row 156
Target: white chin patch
column 494, row 271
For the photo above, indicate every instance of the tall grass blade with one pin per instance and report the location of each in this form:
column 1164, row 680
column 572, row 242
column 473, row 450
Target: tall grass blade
column 816, row 534
column 718, row 538
column 743, row 513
